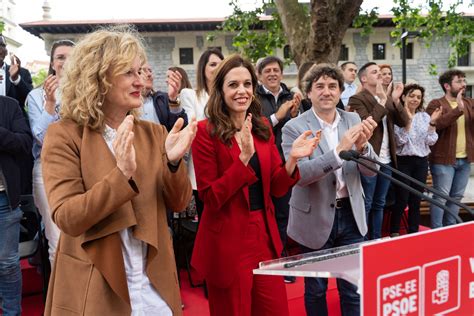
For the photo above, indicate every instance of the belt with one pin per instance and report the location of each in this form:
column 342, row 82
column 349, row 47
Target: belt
column 343, row 203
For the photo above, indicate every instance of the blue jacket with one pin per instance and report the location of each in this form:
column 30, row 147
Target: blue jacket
column 162, row 108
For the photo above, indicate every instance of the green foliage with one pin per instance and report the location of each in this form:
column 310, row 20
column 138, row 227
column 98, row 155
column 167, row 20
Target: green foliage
column 2, row 26
column 39, row 77
column 434, row 23
column 253, row 38
column 365, row 20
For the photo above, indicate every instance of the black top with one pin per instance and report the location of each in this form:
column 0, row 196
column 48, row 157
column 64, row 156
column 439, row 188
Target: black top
column 256, row 189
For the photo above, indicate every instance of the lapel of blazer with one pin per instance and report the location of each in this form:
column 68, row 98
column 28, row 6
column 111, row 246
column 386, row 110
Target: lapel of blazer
column 343, row 125
column 8, row 83
column 313, row 124
column 102, row 243
column 263, row 154
column 234, row 152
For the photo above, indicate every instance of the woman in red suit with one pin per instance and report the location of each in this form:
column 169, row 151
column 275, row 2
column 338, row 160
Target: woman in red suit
column 238, row 169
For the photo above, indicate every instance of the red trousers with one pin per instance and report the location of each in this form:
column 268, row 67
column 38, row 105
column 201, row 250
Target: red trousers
column 251, row 294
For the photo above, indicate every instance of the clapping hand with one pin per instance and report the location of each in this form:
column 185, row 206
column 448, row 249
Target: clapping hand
column 123, row 147
column 367, row 129
column 304, row 146
column 435, row 115
column 50, row 86
column 397, row 92
column 295, row 108
column 245, row 140
column 459, row 99
column 173, row 79
column 15, row 66
column 380, row 93
column 179, row 140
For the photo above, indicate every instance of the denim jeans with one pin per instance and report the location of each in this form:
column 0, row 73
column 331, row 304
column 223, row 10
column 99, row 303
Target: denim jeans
column 375, row 191
column 10, row 272
column 452, row 181
column 344, row 232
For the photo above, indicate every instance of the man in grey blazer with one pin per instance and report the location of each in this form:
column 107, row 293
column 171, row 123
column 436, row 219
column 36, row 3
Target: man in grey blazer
column 327, row 204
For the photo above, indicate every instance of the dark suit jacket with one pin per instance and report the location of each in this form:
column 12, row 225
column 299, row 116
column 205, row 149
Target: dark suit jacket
column 365, row 104
column 20, row 91
column 15, row 141
column 269, row 107
column 222, row 181
column 162, row 109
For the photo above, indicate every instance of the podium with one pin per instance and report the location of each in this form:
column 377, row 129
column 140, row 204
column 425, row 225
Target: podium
column 427, row 273
column 340, row 262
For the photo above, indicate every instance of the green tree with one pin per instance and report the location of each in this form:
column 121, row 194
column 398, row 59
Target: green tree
column 39, row 77
column 316, row 34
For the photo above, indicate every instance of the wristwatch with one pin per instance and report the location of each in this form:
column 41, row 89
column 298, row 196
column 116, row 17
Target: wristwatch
column 176, row 102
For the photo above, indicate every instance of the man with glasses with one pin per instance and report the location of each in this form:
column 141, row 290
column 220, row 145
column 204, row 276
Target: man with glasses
column 453, row 153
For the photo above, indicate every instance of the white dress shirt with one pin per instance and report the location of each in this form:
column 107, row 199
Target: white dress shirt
column 330, row 133
column 148, row 111
column 144, row 299
column 273, row 117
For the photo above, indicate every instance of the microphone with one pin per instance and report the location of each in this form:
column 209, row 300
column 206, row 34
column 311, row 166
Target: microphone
column 357, row 155
column 350, row 155
column 347, row 155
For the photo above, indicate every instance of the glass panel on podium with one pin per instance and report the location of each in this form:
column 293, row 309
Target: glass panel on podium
column 340, row 262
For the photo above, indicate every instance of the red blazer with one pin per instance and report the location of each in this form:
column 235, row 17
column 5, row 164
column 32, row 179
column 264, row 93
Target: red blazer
column 222, row 181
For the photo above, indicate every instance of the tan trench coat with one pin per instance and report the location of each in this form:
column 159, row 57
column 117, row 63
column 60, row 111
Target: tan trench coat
column 91, row 201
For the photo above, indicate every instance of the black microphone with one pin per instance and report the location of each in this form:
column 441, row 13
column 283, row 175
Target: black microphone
column 350, row 155
column 357, row 155
column 346, row 155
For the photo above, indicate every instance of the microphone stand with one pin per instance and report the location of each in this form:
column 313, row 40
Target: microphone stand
column 347, row 155
column 356, row 154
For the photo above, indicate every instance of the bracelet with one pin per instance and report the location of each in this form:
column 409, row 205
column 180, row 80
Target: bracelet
column 432, row 124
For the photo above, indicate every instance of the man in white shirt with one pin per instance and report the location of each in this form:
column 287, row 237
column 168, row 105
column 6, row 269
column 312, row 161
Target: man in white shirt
column 327, row 204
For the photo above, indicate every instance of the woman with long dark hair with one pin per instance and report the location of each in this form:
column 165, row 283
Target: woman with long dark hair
column 238, row 170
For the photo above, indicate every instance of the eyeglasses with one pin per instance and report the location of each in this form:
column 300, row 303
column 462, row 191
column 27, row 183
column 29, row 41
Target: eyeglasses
column 60, row 58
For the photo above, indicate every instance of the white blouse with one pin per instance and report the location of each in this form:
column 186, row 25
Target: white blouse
column 144, row 299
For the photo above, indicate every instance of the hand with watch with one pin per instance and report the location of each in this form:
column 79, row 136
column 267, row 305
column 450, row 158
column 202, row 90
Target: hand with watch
column 173, row 80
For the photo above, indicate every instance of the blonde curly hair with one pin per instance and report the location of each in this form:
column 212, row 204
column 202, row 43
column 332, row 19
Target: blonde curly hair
column 97, row 58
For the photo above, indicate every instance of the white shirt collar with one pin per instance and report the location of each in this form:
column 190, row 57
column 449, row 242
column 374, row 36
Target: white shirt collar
column 324, row 124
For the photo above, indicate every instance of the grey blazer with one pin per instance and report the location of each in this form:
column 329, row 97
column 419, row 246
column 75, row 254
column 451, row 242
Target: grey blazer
column 312, row 204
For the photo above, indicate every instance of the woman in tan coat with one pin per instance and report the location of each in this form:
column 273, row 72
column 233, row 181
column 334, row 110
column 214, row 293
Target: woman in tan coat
column 109, row 178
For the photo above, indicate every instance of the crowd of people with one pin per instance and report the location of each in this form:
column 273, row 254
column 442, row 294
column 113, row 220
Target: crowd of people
column 107, row 159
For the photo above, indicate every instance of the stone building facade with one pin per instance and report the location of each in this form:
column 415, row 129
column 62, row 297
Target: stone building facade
column 181, row 42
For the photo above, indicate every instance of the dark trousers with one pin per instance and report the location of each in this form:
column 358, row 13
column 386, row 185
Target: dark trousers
column 344, row 232
column 415, row 167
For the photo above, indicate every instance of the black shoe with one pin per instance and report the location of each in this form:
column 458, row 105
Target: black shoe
column 290, row 279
